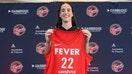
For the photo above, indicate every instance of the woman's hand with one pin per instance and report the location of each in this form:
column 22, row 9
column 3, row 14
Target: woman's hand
column 87, row 33
column 47, row 35
column 88, row 36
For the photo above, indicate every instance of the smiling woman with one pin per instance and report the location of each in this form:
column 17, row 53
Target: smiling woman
column 66, row 44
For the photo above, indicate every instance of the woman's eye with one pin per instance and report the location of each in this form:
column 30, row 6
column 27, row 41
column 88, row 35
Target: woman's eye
column 68, row 10
column 62, row 10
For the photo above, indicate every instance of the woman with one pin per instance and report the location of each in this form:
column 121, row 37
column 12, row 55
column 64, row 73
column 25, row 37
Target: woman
column 66, row 45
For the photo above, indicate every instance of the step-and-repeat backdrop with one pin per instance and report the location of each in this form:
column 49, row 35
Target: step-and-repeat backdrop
column 23, row 25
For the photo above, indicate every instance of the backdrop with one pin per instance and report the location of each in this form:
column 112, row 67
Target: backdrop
column 23, row 25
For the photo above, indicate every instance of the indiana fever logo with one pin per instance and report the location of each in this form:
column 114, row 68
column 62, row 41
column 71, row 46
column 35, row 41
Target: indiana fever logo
column 40, row 48
column 92, row 11
column 93, row 47
column 19, row 30
column 42, row 11
column 115, row 29
column 16, row 67
column 117, row 66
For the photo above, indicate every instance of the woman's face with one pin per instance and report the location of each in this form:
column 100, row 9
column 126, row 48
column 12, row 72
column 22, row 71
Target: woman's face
column 66, row 13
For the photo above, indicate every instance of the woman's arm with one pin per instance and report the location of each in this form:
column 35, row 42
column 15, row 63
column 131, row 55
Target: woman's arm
column 47, row 38
column 88, row 36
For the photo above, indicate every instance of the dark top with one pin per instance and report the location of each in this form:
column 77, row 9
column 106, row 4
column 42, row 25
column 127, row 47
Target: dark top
column 70, row 29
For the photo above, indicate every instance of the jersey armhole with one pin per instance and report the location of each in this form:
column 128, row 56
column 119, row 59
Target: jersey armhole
column 89, row 57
